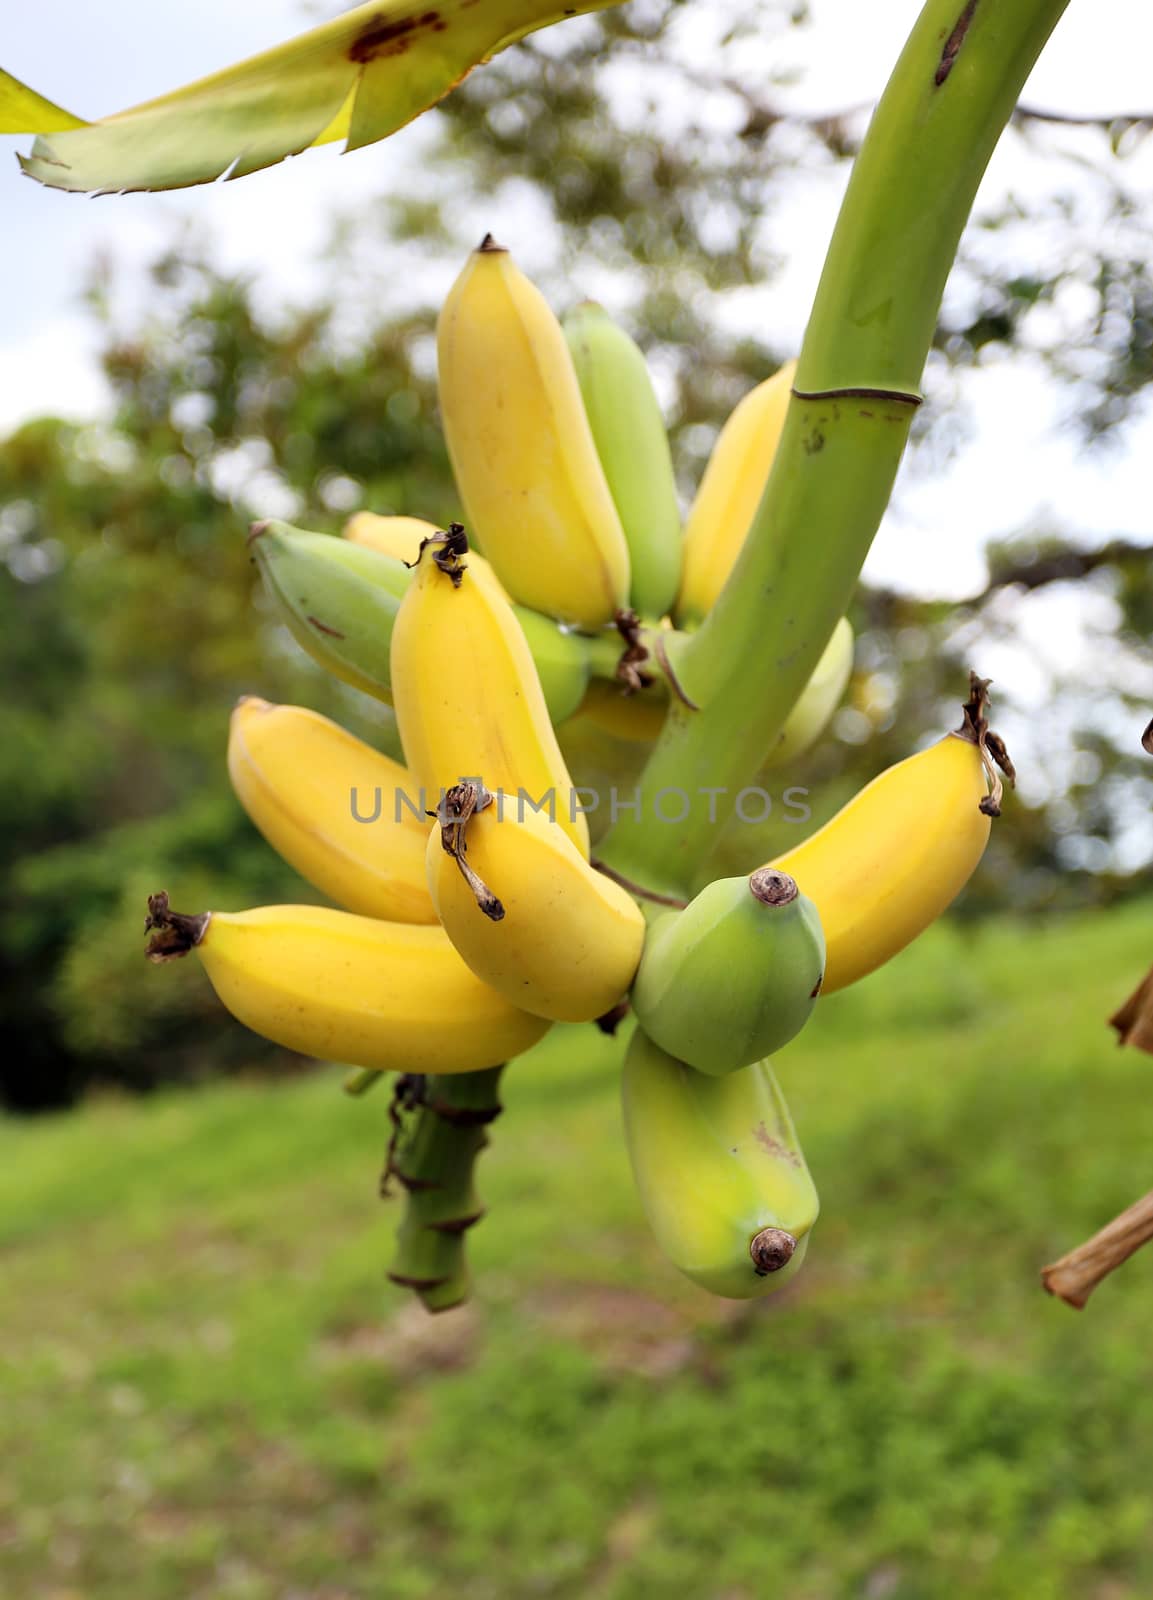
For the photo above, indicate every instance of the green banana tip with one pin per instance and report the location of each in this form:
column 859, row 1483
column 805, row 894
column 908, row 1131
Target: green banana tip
column 771, row 1249
column 772, row 888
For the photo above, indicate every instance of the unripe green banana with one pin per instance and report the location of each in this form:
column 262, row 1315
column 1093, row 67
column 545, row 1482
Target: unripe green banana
column 339, row 599
column 562, row 661
column 719, row 1171
column 629, row 432
column 818, row 699
column 734, row 976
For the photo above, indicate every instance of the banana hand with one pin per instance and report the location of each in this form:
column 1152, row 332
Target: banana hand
column 542, row 927
column 468, row 699
column 305, row 781
column 719, row 1171
column 390, row 996
column 733, row 977
column 892, row 860
column 534, row 491
column 629, row 432
column 730, row 493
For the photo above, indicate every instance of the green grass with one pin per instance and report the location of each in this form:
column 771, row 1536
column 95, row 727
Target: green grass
column 207, row 1389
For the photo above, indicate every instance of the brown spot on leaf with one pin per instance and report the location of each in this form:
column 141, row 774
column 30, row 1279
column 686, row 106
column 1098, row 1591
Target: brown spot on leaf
column 389, row 38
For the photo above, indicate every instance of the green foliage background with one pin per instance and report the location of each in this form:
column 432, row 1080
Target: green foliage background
column 207, row 1389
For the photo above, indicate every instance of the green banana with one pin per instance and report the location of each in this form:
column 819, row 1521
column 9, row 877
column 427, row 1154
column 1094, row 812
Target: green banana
column 339, row 600
column 562, row 661
column 818, row 699
column 719, row 1171
column 734, row 976
column 630, row 437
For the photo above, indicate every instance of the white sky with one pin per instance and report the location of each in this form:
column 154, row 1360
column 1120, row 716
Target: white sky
column 98, row 59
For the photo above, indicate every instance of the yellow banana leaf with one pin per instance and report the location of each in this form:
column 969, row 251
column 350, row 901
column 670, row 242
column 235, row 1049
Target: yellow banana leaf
column 359, row 77
column 22, row 110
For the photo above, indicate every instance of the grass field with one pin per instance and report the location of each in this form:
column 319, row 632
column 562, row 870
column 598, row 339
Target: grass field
column 208, row 1390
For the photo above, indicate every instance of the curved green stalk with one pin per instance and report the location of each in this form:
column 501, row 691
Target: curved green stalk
column 912, row 187
column 440, row 1127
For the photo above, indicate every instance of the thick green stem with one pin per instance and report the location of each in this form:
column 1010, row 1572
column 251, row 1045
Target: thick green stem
column 440, row 1123
column 873, row 317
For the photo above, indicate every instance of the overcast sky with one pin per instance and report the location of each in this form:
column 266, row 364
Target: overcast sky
column 99, row 59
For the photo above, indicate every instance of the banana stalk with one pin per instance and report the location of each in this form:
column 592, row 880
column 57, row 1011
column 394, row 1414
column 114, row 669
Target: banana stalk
column 950, row 95
column 439, row 1131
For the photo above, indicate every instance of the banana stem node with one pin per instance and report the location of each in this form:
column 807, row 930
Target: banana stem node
column 771, row 1249
column 174, row 934
column 898, row 396
column 673, row 680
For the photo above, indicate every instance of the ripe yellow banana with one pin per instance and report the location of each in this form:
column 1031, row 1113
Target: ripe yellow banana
column 730, row 493
column 398, row 537
column 818, row 699
column 562, row 659
column 468, row 698
column 534, row 491
column 543, row 928
column 636, row 717
column 892, row 860
column 390, row 996
column 719, row 1171
column 305, row 782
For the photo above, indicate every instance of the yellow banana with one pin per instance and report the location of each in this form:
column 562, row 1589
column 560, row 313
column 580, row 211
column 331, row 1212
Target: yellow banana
column 390, row 996
column 305, row 782
column 468, row 698
column 535, row 495
column 398, row 537
column 562, row 660
column 636, row 717
column 546, row 930
column 891, row 861
column 730, row 493
column 818, row 699
column 719, row 1171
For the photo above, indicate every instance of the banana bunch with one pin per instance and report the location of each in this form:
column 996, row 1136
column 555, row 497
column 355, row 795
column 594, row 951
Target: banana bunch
column 467, row 916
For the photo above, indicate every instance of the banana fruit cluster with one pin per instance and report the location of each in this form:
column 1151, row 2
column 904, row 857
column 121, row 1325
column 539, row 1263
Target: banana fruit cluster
column 466, row 914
